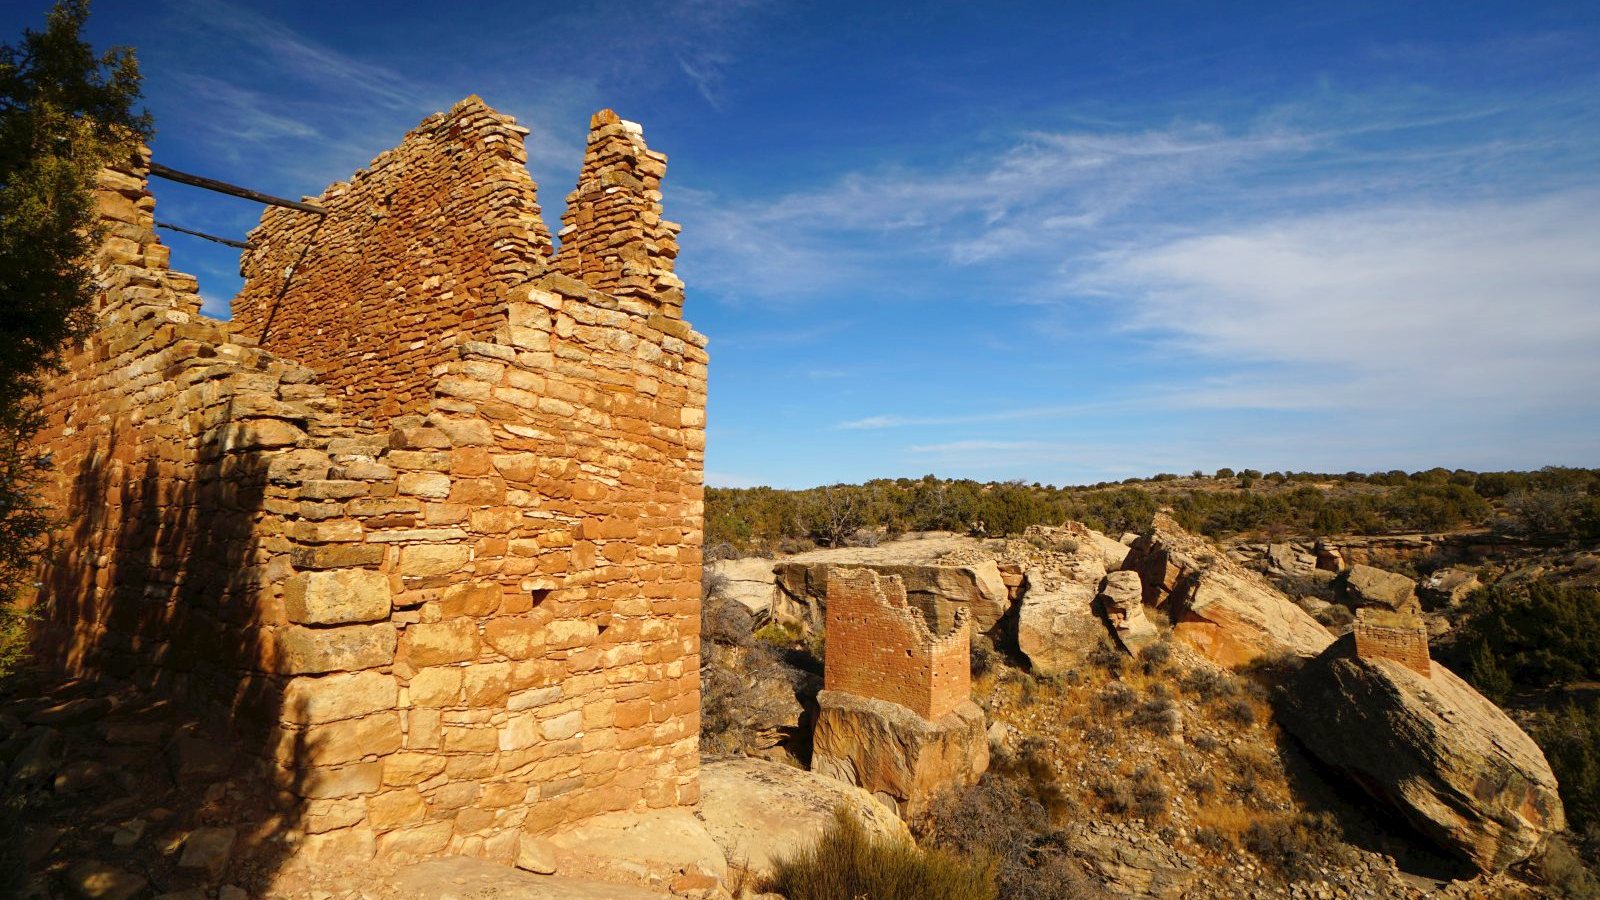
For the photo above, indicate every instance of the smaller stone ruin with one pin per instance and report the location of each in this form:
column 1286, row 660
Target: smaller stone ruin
column 896, row 714
column 1381, row 634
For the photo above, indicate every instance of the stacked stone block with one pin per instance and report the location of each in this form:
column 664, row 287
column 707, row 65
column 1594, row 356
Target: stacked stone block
column 437, row 631
column 1402, row 637
column 614, row 238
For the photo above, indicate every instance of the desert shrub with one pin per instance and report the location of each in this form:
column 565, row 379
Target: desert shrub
column 1240, row 712
column 983, row 656
column 1001, row 818
column 1211, row 839
column 1156, row 713
column 1296, row 847
column 1565, row 872
column 1203, row 786
column 1207, row 684
column 846, row 863
column 1335, row 617
column 780, row 634
column 1115, row 697
column 1109, row 658
column 1205, row 743
column 1115, row 795
column 1156, row 658
column 1150, row 797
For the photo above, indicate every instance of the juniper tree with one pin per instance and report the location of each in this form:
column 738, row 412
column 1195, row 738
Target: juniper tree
column 65, row 111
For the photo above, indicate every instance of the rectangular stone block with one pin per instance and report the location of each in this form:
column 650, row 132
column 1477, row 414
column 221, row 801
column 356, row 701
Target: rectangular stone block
column 336, row 597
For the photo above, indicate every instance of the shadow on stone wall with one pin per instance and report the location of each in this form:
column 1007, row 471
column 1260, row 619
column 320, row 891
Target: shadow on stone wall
column 146, row 742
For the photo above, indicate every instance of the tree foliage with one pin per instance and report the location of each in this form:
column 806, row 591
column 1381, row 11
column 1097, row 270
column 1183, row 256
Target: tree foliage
column 1551, row 502
column 65, row 112
column 1545, row 636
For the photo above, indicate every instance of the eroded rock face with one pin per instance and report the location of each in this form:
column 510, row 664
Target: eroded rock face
column 758, row 810
column 1367, row 586
column 895, row 754
column 1057, row 626
column 1120, row 599
column 1219, row 607
column 1431, row 747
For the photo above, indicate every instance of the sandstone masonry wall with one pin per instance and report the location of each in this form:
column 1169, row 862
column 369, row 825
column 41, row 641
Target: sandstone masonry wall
column 477, row 620
column 1380, row 634
column 880, row 647
column 415, row 251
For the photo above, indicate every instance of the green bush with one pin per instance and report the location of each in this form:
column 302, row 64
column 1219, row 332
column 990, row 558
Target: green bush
column 846, row 863
column 1571, row 742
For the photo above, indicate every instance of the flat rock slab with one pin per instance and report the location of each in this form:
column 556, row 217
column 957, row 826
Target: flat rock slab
column 758, row 810
column 660, row 841
column 461, row 878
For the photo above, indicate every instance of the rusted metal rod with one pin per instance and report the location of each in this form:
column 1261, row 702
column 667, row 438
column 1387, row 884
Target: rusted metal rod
column 201, row 234
column 222, row 187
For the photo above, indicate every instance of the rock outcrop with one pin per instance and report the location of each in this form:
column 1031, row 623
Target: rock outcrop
column 758, row 810
column 1456, row 766
column 899, row 757
column 1368, row 586
column 1219, row 607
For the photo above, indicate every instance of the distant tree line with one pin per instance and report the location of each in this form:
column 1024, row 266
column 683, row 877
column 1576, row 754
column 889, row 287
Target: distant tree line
column 1551, row 502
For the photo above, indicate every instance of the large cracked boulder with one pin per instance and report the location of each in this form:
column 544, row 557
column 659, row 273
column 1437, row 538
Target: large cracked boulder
column 1057, row 627
column 896, row 755
column 1429, row 746
column 1229, row 613
column 1368, row 586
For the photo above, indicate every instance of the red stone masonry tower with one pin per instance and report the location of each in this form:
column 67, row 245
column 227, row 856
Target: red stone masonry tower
column 422, row 524
column 880, row 646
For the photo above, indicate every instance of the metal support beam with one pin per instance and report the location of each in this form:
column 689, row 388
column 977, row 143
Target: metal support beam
column 201, row 234
column 222, row 187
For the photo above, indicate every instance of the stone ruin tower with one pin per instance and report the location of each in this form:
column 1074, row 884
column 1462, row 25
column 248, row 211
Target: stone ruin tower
column 420, row 527
column 896, row 715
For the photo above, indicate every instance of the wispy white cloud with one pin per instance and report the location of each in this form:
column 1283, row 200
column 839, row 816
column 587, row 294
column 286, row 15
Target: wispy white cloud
column 1489, row 306
column 1057, row 411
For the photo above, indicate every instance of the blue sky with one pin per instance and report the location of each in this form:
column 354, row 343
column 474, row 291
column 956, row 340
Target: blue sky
column 1060, row 242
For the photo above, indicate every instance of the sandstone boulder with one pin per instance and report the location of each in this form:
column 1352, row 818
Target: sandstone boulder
column 1367, row 586
column 758, row 810
column 896, row 755
column 1121, row 599
column 1057, row 627
column 1219, row 607
column 1449, row 587
column 1456, row 766
column 748, row 581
